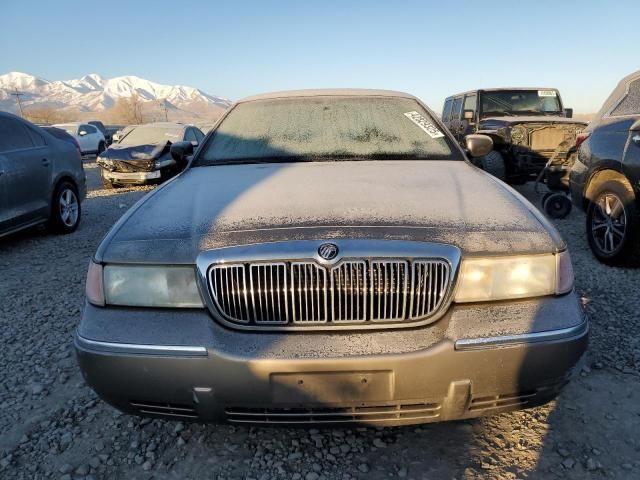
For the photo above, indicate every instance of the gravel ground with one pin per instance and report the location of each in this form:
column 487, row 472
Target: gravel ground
column 53, row 426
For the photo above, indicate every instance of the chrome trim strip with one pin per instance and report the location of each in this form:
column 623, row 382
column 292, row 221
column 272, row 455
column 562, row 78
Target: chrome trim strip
column 134, row 348
column 525, row 338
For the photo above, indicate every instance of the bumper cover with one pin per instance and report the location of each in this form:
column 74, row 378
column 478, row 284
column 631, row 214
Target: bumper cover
column 132, row 176
column 274, row 382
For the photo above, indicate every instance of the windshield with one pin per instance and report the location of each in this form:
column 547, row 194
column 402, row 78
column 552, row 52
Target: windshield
column 327, row 128
column 152, row 134
column 520, row 102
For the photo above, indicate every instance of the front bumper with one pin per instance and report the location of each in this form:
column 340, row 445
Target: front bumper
column 208, row 373
column 132, row 177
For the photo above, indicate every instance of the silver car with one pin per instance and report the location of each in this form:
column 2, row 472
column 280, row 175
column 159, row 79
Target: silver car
column 330, row 257
column 41, row 178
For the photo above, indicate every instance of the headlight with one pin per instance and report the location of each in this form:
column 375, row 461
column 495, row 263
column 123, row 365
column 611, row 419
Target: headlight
column 151, row 286
column 503, row 278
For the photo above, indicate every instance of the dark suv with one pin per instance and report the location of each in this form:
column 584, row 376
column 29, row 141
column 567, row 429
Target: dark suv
column 528, row 126
column 605, row 179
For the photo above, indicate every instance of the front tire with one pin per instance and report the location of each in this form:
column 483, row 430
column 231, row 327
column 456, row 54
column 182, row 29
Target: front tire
column 612, row 224
column 101, row 148
column 65, row 209
column 493, row 163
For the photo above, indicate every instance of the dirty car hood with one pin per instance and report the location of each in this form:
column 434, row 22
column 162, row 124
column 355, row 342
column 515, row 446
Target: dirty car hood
column 435, row 201
column 129, row 153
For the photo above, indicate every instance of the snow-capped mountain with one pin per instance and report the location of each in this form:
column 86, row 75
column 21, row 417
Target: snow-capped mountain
column 92, row 93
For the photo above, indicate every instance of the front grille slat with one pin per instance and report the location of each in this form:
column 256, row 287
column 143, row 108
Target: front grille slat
column 355, row 291
column 338, row 414
column 348, row 292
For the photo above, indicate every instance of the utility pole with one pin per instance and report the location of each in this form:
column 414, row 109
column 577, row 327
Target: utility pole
column 163, row 104
column 17, row 94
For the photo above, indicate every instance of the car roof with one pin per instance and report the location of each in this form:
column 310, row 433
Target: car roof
column 498, row 89
column 618, row 93
column 327, row 92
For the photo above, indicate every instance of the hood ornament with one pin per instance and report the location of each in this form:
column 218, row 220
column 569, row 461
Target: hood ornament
column 328, row 251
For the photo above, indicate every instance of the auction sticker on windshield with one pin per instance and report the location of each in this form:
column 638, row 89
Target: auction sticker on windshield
column 424, row 124
column 547, row 93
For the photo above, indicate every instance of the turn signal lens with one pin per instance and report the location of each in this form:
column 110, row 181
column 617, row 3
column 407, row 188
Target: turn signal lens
column 564, row 275
column 581, row 137
column 94, row 288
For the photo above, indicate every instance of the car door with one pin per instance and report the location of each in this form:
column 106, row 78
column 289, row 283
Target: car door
column 87, row 138
column 4, row 187
column 26, row 177
column 632, row 153
column 81, row 136
column 628, row 113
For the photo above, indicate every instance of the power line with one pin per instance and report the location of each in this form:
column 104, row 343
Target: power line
column 18, row 94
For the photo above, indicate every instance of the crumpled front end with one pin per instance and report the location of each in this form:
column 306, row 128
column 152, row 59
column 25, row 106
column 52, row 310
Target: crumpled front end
column 112, row 165
column 534, row 144
column 135, row 164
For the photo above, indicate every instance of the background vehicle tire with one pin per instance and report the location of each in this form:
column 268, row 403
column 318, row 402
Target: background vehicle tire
column 557, row 205
column 101, row 148
column 613, row 227
column 65, row 209
column 544, row 198
column 493, row 163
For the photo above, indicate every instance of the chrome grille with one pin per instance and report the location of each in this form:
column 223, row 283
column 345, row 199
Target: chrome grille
column 351, row 292
column 268, row 293
column 429, row 281
column 308, row 293
column 388, row 290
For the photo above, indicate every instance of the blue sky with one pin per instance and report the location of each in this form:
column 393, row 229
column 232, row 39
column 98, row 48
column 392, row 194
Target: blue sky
column 237, row 48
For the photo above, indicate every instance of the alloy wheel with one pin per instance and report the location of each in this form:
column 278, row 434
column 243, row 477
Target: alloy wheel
column 609, row 223
column 68, row 207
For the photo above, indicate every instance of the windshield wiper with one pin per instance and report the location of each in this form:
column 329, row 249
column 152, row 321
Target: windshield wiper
column 530, row 112
column 498, row 112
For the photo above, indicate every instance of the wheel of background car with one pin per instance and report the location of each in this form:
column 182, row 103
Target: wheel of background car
column 557, row 205
column 65, row 209
column 493, row 163
column 612, row 224
column 544, row 198
column 101, row 147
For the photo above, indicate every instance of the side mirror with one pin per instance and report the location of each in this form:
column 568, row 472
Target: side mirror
column 180, row 151
column 568, row 112
column 82, row 133
column 478, row 145
column 469, row 115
